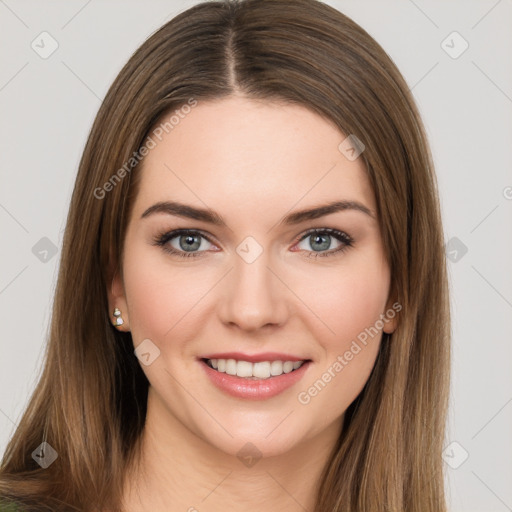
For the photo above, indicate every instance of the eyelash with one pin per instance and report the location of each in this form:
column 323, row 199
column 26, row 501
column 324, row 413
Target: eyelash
column 162, row 239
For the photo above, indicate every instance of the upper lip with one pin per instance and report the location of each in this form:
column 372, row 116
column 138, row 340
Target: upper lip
column 255, row 358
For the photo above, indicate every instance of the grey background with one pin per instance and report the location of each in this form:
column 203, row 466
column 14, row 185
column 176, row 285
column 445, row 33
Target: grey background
column 48, row 106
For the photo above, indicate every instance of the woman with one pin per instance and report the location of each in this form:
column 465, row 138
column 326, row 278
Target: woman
column 252, row 308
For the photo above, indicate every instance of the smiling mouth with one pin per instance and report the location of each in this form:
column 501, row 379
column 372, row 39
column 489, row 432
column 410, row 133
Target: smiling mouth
column 253, row 371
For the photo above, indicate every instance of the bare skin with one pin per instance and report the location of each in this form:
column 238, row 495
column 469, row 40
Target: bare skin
column 253, row 163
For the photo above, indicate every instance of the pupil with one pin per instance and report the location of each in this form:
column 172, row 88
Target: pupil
column 326, row 243
column 189, row 243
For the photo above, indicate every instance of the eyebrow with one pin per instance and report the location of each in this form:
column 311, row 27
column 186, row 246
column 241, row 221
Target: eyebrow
column 212, row 217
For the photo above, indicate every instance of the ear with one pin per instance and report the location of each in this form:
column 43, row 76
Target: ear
column 117, row 299
column 391, row 316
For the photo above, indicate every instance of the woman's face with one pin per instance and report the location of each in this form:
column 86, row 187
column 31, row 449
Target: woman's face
column 257, row 285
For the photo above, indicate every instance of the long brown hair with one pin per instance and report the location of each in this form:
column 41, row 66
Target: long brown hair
column 90, row 402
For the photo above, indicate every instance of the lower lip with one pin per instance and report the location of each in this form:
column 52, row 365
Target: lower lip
column 254, row 389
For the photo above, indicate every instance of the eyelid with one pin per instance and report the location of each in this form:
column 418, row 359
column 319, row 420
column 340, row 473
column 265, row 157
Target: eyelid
column 330, row 231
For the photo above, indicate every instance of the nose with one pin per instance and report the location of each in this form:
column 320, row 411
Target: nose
column 253, row 297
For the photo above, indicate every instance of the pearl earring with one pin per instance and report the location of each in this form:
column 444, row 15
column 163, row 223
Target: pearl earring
column 117, row 315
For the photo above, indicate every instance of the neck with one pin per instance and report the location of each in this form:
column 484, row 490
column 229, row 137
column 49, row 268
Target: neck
column 179, row 470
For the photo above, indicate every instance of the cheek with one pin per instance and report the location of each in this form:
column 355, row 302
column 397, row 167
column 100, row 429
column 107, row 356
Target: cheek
column 348, row 300
column 352, row 305
column 160, row 298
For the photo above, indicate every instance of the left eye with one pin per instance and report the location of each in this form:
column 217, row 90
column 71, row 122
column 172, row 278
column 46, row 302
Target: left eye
column 320, row 241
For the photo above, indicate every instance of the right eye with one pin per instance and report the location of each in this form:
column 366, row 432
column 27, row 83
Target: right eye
column 187, row 244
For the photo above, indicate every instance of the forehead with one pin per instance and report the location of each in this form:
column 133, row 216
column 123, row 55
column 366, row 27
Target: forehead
column 243, row 154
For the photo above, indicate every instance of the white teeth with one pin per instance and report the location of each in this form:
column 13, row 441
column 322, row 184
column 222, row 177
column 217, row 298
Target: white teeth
column 260, row 370
column 287, row 366
column 276, row 368
column 244, row 369
column 231, row 367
